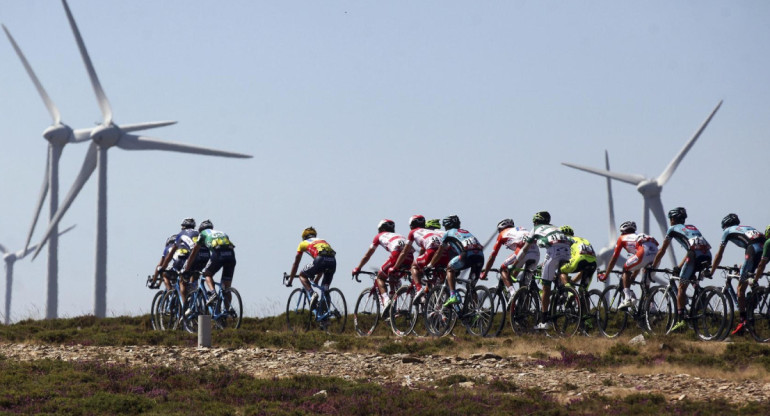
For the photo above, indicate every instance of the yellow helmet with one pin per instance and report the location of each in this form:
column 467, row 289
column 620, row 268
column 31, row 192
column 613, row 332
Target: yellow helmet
column 308, row 232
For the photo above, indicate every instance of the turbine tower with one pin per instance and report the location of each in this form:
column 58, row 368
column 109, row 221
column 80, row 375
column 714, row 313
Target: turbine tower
column 651, row 188
column 57, row 135
column 9, row 258
column 103, row 137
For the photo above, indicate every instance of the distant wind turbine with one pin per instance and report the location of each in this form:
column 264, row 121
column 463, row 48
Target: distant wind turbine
column 103, row 137
column 650, row 188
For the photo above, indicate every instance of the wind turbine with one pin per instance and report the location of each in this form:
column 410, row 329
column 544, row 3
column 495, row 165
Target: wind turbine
column 57, row 135
column 650, row 188
column 9, row 258
column 103, row 137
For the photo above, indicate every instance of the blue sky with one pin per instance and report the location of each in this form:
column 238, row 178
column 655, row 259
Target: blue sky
column 360, row 110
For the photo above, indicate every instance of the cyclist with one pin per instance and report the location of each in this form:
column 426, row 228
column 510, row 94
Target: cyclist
column 159, row 269
column 513, row 238
column 324, row 263
column 394, row 244
column 698, row 256
column 582, row 260
column 765, row 256
column 557, row 252
column 469, row 254
column 429, row 241
column 221, row 256
column 642, row 248
column 750, row 239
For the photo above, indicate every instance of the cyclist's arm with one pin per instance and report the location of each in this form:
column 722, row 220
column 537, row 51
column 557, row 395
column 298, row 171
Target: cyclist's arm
column 718, row 257
column 437, row 256
column 760, row 268
column 661, row 252
column 400, row 258
column 191, row 259
column 491, row 260
column 366, row 258
column 164, row 261
column 294, row 267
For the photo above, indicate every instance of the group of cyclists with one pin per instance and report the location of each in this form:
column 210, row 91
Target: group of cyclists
column 569, row 258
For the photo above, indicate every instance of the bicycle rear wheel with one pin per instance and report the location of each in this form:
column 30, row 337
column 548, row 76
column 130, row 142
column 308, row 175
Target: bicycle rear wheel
column 612, row 320
column 730, row 317
column 501, row 300
column 592, row 299
column 169, row 311
column 337, row 312
column 711, row 313
column 298, row 313
column 196, row 302
column 402, row 312
column 566, row 312
column 228, row 310
column 154, row 318
column 477, row 316
column 367, row 312
column 660, row 310
column 439, row 320
column 758, row 314
column 524, row 311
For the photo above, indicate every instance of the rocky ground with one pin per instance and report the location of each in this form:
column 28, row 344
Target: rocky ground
column 414, row 372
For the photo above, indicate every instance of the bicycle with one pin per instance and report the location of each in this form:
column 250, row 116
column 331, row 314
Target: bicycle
column 590, row 303
column 152, row 285
column 565, row 308
column 757, row 304
column 474, row 309
column 729, row 273
column 330, row 313
column 502, row 298
column 226, row 311
column 705, row 310
column 613, row 320
column 366, row 314
column 408, row 306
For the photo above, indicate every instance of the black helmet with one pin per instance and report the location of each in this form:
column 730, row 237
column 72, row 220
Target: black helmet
column 542, row 217
column 729, row 220
column 450, row 222
column 678, row 214
column 386, row 225
column 416, row 221
column 628, row 227
column 205, row 225
column 503, row 224
column 188, row 223
column 171, row 239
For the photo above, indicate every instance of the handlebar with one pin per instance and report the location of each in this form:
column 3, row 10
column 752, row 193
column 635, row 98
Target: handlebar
column 355, row 275
column 152, row 283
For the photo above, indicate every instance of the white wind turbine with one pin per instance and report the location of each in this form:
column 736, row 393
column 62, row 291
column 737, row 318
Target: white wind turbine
column 103, row 137
column 57, row 135
column 650, row 188
column 9, row 258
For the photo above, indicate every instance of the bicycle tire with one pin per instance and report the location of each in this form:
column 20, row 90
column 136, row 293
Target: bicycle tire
column 730, row 318
column 566, row 312
column 439, row 320
column 524, row 311
column 501, row 300
column 419, row 304
column 196, row 302
column 170, row 311
column 477, row 314
column 298, row 313
column 228, row 309
column 154, row 319
column 367, row 312
column 592, row 301
column 402, row 312
column 710, row 316
column 612, row 320
column 660, row 310
column 337, row 309
column 758, row 314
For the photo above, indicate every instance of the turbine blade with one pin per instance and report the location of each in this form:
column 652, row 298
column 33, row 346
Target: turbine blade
column 610, row 201
column 23, row 253
column 3, row 249
column 134, row 142
column 40, row 199
column 104, row 104
column 128, row 128
column 656, row 206
column 81, row 135
column 666, row 175
column 490, row 239
column 623, row 177
column 46, row 99
column 89, row 165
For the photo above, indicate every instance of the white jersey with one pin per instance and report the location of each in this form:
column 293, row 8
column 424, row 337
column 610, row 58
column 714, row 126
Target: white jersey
column 425, row 238
column 389, row 241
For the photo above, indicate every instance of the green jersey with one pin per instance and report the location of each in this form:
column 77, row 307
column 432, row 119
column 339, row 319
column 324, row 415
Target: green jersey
column 766, row 251
column 214, row 240
column 582, row 249
column 546, row 235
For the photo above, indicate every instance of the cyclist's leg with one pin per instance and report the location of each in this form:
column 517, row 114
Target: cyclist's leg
column 555, row 257
column 418, row 265
column 505, row 274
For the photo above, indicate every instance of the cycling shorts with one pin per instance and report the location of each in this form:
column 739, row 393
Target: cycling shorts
column 391, row 261
column 695, row 261
column 529, row 256
column 426, row 257
column 753, row 256
column 578, row 264
column 221, row 259
column 321, row 264
column 555, row 256
column 473, row 259
column 645, row 254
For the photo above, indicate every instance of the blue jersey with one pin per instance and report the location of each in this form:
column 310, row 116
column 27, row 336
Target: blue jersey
column 742, row 235
column 688, row 236
column 185, row 240
column 461, row 241
column 166, row 249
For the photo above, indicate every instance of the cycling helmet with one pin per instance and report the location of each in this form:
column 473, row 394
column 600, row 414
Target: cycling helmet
column 171, row 239
column 188, row 223
column 308, row 233
column 542, row 217
column 678, row 214
column 450, row 222
column 205, row 225
column 416, row 221
column 386, row 225
column 433, row 224
column 506, row 223
column 729, row 220
column 628, row 227
column 566, row 229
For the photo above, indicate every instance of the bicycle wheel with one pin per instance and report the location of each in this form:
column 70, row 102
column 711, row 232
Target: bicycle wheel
column 336, row 310
column 591, row 302
column 367, row 312
column 501, row 300
column 477, row 316
column 196, row 303
column 730, row 324
column 710, row 316
column 228, row 309
column 660, row 310
column 170, row 312
column 154, row 318
column 439, row 320
column 402, row 313
column 566, row 312
column 524, row 311
column 612, row 321
column 419, row 304
column 758, row 314
column 298, row 313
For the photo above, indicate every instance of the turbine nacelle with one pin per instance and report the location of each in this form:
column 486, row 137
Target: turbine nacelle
column 106, row 136
column 649, row 187
column 59, row 134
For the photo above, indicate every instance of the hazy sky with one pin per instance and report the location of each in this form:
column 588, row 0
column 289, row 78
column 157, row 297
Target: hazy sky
column 360, row 110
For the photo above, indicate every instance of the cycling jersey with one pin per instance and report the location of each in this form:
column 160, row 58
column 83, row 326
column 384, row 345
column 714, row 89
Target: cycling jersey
column 582, row 258
column 641, row 247
column 546, row 235
column 214, row 240
column 470, row 251
column 514, row 239
column 766, row 249
column 689, row 237
column 185, row 241
column 557, row 248
column 222, row 255
column 315, row 247
column 389, row 241
column 742, row 235
column 425, row 238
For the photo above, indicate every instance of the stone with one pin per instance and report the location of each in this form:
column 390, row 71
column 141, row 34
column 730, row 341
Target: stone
column 321, row 393
column 637, row 340
column 411, row 360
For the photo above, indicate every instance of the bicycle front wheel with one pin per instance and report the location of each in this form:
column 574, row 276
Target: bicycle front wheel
column 402, row 311
column 477, row 316
column 298, row 313
column 612, row 320
column 524, row 311
column 711, row 313
column 196, row 302
column 154, row 308
column 758, row 302
column 169, row 311
column 438, row 319
column 566, row 312
column 593, row 299
column 367, row 312
column 336, row 312
column 228, row 312
column 660, row 310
